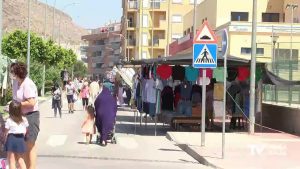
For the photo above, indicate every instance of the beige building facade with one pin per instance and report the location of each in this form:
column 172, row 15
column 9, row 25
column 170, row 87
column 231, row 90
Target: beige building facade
column 150, row 25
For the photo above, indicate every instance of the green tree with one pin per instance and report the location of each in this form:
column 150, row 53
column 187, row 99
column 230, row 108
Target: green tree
column 14, row 45
column 80, row 70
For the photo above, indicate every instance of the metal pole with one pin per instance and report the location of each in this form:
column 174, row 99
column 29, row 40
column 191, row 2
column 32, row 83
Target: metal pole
column 53, row 20
column 28, row 40
column 203, row 108
column 169, row 30
column 194, row 19
column 253, row 68
column 224, row 100
column 45, row 36
column 59, row 30
column 291, row 54
column 1, row 11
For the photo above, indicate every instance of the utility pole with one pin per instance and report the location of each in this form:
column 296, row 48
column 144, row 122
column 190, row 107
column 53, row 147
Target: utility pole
column 253, row 68
column 1, row 11
column 28, row 39
column 45, row 37
column 292, row 7
column 53, row 20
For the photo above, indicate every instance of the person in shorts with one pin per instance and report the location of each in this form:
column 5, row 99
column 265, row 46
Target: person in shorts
column 84, row 93
column 15, row 130
column 70, row 89
column 25, row 92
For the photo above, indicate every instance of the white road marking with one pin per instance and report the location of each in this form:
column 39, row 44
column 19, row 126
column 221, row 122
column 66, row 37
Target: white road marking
column 56, row 140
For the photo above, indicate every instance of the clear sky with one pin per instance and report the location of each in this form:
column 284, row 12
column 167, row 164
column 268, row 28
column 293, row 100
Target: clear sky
column 90, row 13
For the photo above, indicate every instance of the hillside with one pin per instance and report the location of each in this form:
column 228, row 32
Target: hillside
column 15, row 17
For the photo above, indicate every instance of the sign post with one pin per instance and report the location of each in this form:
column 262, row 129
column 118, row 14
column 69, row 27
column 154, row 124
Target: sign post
column 204, row 56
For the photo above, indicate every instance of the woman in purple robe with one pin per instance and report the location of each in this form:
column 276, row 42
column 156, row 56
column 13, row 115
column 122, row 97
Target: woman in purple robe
column 106, row 110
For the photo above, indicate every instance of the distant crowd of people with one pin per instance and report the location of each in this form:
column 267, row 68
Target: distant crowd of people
column 99, row 99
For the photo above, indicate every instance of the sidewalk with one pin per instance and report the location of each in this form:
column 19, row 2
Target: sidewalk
column 259, row 151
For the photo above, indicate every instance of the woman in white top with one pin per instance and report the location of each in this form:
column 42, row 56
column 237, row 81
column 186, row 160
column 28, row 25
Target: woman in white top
column 15, row 130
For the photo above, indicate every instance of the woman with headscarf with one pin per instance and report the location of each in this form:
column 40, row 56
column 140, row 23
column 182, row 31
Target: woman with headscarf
column 106, row 110
column 56, row 99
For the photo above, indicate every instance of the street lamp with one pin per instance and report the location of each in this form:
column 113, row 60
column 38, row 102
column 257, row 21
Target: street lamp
column 274, row 41
column 28, row 40
column 71, row 4
column 292, row 7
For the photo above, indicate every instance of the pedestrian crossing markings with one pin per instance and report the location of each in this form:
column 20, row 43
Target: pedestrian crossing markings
column 204, row 57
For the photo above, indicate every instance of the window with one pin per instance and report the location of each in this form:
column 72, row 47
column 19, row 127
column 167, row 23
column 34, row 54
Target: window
column 282, row 58
column 97, row 53
column 176, row 36
column 270, row 17
column 198, row 1
column 145, row 3
column 239, row 16
column 184, row 33
column 145, row 21
column 145, row 39
column 177, row 1
column 144, row 55
column 99, row 42
column 247, row 51
column 99, row 65
column 176, row 18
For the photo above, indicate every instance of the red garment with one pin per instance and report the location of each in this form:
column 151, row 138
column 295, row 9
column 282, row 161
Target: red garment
column 164, row 71
column 176, row 99
column 243, row 73
column 209, row 73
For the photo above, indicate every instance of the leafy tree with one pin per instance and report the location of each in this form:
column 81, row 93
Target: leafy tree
column 14, row 45
column 80, row 70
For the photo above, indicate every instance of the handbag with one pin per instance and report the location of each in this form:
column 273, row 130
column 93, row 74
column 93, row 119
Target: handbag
column 75, row 97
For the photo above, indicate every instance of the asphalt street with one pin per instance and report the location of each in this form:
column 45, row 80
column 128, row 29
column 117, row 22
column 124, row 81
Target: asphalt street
column 61, row 144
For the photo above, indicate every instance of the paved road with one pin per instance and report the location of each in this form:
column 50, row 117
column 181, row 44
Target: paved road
column 60, row 145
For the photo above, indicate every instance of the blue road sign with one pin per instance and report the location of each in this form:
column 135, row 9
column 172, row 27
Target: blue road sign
column 205, row 55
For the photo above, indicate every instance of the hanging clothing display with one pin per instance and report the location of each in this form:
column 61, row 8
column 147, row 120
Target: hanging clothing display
column 218, row 74
column 185, row 91
column 167, row 99
column 176, row 95
column 218, row 91
column 164, row 71
column 243, row 73
column 150, row 91
column 196, row 94
column 231, row 74
column 191, row 73
column 178, row 72
column 209, row 73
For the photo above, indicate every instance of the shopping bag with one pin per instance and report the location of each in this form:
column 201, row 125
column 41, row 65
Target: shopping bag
column 75, row 97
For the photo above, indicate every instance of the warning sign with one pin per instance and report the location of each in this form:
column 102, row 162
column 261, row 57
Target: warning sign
column 205, row 35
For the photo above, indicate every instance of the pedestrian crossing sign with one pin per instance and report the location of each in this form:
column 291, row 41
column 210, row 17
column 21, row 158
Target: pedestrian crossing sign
column 205, row 55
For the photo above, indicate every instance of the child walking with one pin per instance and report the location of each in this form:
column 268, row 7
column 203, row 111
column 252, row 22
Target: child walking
column 88, row 127
column 15, row 130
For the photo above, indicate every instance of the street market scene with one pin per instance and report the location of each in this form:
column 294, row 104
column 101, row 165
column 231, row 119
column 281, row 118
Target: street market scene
column 167, row 84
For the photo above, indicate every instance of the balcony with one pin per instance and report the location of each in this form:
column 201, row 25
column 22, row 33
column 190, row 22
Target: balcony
column 131, row 42
column 133, row 5
column 93, row 48
column 97, row 59
column 158, row 43
column 155, row 5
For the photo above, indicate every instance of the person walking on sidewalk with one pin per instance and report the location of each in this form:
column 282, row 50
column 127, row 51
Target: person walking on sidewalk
column 106, row 110
column 56, row 99
column 94, row 90
column 25, row 92
column 85, row 94
column 88, row 127
column 70, row 88
column 15, row 130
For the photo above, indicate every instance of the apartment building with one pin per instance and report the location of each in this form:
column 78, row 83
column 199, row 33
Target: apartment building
column 274, row 29
column 103, row 50
column 150, row 25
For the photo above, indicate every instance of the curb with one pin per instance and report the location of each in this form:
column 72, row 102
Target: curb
column 186, row 148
